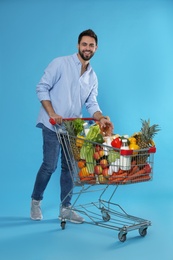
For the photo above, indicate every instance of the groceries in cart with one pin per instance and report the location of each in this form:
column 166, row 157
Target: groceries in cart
column 106, row 158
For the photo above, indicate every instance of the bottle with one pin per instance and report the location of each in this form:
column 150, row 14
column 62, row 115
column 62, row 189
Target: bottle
column 125, row 158
column 86, row 128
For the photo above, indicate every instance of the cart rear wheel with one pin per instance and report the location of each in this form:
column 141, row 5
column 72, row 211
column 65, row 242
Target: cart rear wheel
column 63, row 224
column 143, row 232
column 106, row 216
column 122, row 237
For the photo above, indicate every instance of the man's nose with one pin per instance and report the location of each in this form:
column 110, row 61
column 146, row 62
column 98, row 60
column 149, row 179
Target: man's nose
column 87, row 47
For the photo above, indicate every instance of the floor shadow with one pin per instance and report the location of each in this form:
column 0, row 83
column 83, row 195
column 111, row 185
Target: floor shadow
column 13, row 221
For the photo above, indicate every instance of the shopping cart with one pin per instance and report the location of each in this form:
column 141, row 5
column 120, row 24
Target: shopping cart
column 103, row 174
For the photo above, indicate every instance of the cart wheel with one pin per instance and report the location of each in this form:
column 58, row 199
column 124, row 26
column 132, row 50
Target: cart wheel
column 106, row 216
column 143, row 232
column 63, row 224
column 122, row 236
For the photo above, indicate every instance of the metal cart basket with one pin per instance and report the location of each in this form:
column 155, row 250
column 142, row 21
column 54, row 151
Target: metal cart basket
column 101, row 171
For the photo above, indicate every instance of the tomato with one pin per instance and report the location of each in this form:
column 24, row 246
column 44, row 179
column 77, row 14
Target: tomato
column 116, row 143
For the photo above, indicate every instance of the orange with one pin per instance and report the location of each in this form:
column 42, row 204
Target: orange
column 81, row 164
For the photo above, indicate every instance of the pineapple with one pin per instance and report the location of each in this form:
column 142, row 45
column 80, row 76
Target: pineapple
column 144, row 138
column 70, row 129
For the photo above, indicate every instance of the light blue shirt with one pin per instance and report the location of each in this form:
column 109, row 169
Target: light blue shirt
column 68, row 90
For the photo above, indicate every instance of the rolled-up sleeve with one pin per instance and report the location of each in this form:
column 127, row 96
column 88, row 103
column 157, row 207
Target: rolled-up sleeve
column 50, row 76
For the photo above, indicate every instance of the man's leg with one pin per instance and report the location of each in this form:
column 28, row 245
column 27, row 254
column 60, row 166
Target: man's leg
column 51, row 150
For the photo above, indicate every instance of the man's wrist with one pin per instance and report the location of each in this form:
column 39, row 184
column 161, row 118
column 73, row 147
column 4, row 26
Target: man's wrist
column 102, row 117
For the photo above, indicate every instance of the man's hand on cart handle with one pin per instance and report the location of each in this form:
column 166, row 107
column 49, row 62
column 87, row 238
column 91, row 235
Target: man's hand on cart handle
column 106, row 125
column 103, row 120
column 56, row 119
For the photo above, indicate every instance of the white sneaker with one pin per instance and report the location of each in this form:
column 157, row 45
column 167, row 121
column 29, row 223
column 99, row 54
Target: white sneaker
column 68, row 214
column 36, row 210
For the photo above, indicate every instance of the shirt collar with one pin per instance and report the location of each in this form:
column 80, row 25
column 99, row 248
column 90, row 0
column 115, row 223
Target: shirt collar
column 78, row 62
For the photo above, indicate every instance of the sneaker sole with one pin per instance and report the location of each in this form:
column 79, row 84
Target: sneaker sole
column 36, row 219
column 72, row 221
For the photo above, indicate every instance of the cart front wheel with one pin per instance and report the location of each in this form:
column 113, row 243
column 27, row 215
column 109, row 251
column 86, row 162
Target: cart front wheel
column 143, row 232
column 122, row 237
column 63, row 222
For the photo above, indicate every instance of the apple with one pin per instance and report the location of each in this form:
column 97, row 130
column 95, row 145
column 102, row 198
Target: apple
column 96, row 156
column 101, row 153
column 97, row 148
column 105, row 172
column 97, row 169
column 102, row 179
column 104, row 163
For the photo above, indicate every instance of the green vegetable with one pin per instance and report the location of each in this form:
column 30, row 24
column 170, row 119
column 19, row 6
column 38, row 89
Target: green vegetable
column 90, row 162
column 87, row 150
column 94, row 130
column 113, row 156
column 99, row 138
column 78, row 126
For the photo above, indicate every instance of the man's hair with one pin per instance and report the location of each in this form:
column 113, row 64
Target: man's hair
column 88, row 32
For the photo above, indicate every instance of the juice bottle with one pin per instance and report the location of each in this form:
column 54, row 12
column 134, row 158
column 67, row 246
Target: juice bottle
column 125, row 158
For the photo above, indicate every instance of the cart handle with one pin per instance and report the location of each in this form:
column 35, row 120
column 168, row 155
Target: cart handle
column 52, row 121
column 152, row 149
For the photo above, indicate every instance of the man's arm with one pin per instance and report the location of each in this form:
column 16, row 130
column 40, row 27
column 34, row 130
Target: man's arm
column 98, row 115
column 50, row 111
column 105, row 122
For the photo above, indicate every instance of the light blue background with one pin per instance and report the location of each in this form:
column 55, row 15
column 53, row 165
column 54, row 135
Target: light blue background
column 134, row 64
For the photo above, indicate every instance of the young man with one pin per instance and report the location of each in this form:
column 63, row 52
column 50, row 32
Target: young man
column 67, row 85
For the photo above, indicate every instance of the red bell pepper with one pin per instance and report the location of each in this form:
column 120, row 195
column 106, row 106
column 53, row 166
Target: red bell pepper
column 116, row 143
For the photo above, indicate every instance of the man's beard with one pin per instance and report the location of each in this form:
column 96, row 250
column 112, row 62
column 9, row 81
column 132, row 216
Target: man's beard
column 86, row 57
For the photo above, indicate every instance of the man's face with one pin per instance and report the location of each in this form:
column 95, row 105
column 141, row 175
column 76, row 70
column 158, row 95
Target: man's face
column 87, row 47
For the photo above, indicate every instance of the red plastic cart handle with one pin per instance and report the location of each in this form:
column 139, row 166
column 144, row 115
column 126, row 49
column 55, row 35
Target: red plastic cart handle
column 52, row 121
column 152, row 149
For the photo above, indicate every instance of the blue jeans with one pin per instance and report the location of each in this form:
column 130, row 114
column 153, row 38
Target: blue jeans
column 51, row 152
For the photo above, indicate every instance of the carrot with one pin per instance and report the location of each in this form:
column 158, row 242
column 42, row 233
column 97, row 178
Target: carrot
column 92, row 181
column 119, row 172
column 135, row 169
column 116, row 181
column 91, row 175
column 86, row 179
column 136, row 174
column 142, row 178
column 139, row 178
column 133, row 162
column 117, row 178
